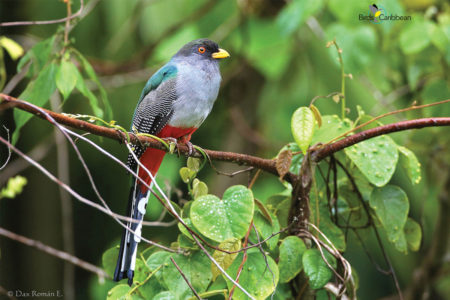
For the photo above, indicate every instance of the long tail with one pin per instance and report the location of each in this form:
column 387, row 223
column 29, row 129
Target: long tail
column 126, row 261
column 137, row 205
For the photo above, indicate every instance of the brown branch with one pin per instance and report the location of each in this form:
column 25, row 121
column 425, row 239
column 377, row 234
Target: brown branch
column 267, row 165
column 52, row 251
column 318, row 155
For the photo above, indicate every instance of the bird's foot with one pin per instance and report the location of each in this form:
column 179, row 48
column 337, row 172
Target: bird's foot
column 173, row 143
column 190, row 147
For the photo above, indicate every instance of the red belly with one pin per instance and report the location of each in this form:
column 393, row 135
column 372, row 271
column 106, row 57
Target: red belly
column 152, row 158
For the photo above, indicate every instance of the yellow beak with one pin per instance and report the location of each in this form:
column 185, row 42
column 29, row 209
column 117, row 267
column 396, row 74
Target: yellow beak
column 220, row 54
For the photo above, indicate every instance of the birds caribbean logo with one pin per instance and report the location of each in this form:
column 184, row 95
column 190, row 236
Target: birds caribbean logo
column 377, row 12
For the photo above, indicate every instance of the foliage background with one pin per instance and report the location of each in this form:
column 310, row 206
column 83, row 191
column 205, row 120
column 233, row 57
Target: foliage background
column 279, row 62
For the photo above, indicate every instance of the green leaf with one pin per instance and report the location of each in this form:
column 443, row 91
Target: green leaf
column 376, row 158
column 109, row 260
column 196, row 268
column 266, row 228
column 290, row 263
column 223, row 219
column 93, row 102
column 193, row 164
column 199, row 188
column 391, row 206
column 39, row 55
column 187, row 174
column 409, row 161
column 13, row 48
column 295, row 13
column 119, row 292
column 257, row 277
column 224, row 259
column 93, row 76
column 66, row 77
column 332, row 126
column 316, row 269
column 414, row 37
column 38, row 92
column 302, row 127
column 14, row 187
column 413, row 234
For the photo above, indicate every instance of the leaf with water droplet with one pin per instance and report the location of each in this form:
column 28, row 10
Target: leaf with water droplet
column 332, row 126
column 379, row 166
column 221, row 219
column 410, row 163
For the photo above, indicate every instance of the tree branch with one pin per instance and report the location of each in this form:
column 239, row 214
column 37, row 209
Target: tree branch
column 321, row 153
column 268, row 165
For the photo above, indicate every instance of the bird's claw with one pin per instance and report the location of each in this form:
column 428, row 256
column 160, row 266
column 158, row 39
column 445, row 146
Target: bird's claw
column 173, row 143
column 190, row 147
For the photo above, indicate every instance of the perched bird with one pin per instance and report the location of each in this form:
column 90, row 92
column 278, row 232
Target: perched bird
column 174, row 103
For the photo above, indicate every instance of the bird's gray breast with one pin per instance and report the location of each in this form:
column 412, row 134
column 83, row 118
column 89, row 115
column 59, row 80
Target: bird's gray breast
column 197, row 86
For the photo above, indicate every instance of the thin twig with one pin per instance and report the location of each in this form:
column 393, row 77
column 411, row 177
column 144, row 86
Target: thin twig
column 57, row 253
column 25, row 23
column 244, row 259
column 67, row 26
column 185, row 279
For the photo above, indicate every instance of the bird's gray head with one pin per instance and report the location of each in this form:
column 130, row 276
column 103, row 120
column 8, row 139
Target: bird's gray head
column 202, row 49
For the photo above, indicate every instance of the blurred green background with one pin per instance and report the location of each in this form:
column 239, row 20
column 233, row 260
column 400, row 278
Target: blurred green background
column 279, row 61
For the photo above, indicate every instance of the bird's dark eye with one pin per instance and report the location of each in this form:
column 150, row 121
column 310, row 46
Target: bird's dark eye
column 201, row 49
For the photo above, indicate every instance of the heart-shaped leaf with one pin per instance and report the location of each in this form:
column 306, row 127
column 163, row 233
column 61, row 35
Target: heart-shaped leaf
column 223, row 219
